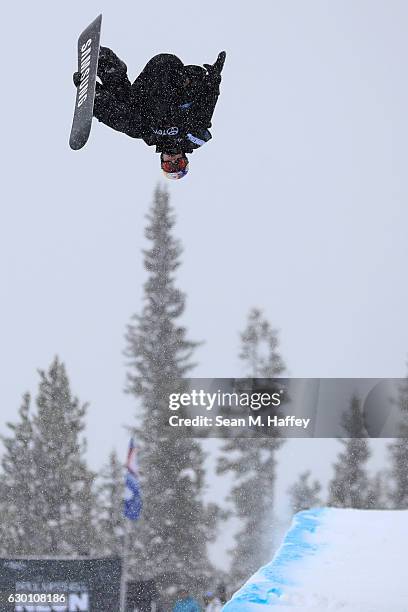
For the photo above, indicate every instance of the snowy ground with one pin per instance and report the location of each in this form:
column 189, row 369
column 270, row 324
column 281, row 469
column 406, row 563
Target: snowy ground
column 344, row 560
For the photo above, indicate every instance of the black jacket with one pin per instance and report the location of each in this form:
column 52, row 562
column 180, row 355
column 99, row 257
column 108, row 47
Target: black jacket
column 169, row 105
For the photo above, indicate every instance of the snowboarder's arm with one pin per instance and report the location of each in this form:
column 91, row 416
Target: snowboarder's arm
column 205, row 105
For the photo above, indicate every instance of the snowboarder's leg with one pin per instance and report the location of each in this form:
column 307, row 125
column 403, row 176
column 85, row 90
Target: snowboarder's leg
column 113, row 104
column 109, row 65
column 162, row 76
column 112, row 71
column 163, row 62
column 117, row 114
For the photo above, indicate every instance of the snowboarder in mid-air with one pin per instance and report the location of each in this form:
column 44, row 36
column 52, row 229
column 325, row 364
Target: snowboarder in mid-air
column 169, row 105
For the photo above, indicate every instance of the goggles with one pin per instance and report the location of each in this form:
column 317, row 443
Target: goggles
column 174, row 165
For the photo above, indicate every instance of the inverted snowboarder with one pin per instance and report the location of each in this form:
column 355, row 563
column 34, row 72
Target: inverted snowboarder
column 169, row 105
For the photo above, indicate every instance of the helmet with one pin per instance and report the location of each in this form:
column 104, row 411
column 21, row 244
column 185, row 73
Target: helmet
column 175, row 168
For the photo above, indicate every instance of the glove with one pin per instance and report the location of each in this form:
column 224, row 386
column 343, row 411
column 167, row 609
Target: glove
column 214, row 70
column 76, row 77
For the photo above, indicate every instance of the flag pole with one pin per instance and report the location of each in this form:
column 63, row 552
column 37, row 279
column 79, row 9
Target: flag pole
column 124, row 574
column 131, row 511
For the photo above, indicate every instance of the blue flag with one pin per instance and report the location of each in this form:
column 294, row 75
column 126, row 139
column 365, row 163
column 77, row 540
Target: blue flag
column 132, row 506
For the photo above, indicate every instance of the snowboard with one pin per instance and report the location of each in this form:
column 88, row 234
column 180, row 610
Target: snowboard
column 88, row 55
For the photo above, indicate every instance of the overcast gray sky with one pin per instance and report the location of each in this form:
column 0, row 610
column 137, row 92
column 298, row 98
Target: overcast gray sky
column 298, row 204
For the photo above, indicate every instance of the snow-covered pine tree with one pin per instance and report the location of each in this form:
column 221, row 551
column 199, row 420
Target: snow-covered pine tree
column 304, row 494
column 252, row 462
column 64, row 500
column 350, row 486
column 110, row 496
column 376, row 496
column 398, row 492
column 175, row 526
column 259, row 347
column 19, row 524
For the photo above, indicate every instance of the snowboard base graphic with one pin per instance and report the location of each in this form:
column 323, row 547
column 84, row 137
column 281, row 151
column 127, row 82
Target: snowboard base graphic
column 88, row 54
